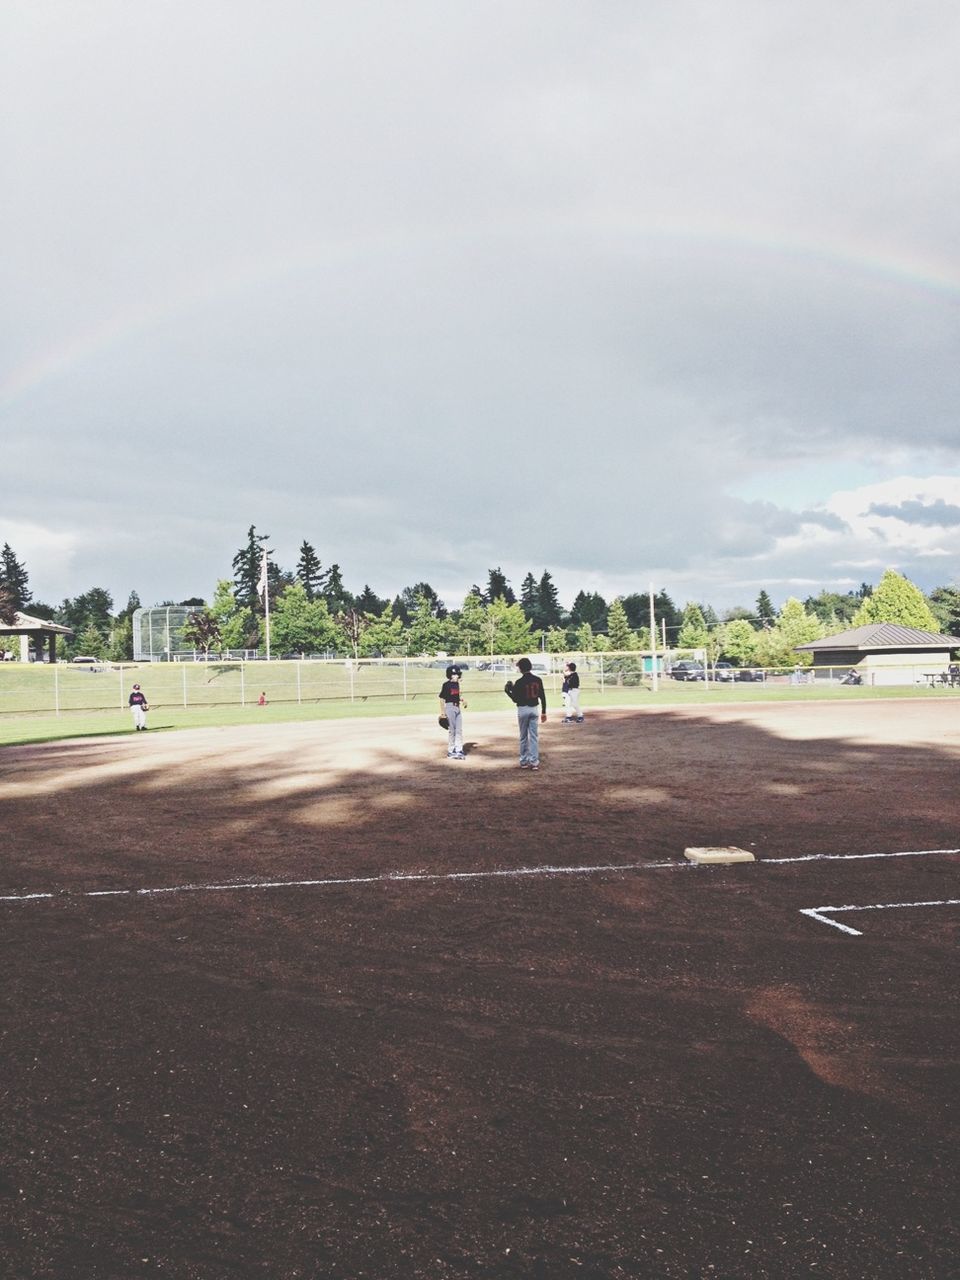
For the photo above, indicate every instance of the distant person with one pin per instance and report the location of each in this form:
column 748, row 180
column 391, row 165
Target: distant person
column 451, row 710
column 530, row 697
column 138, row 705
column 262, row 700
column 571, row 695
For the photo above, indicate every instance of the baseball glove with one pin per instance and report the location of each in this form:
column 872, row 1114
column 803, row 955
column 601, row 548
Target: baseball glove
column 443, row 722
column 508, row 688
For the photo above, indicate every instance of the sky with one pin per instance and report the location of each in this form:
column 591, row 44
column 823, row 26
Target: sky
column 641, row 294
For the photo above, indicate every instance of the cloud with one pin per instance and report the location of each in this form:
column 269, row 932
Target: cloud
column 438, row 291
column 942, row 515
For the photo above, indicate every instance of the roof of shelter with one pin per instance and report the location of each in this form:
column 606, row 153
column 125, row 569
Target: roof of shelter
column 23, row 625
column 884, row 635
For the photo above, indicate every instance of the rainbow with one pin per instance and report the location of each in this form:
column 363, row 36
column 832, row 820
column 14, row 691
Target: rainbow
column 862, row 260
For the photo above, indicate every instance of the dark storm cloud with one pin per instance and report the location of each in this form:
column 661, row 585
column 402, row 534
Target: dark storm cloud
column 439, row 288
column 938, row 514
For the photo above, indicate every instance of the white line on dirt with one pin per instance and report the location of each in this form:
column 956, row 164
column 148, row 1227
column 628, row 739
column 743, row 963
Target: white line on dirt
column 412, row 876
column 820, row 913
column 854, row 857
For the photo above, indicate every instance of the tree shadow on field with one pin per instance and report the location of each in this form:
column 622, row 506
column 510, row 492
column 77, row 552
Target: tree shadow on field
column 365, row 797
column 667, row 1073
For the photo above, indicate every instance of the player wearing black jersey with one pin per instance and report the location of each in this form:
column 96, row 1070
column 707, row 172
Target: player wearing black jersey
column 138, row 705
column 571, row 695
column 451, row 706
column 531, row 699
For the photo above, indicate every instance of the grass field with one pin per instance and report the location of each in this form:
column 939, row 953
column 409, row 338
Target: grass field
column 196, row 695
column 307, row 1000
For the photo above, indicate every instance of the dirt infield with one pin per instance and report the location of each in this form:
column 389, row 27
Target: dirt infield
column 663, row 1071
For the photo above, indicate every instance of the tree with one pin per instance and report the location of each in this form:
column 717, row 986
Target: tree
column 383, row 636
column 737, row 642
column 498, row 588
column 530, row 598
column 765, row 610
column 14, row 578
column 586, row 643
column 407, row 602
column 352, row 624
column 236, row 624
column 637, row 609
column 335, row 593
column 666, row 616
column 550, row 613
column 427, row 633
column 8, row 605
column 506, row 629
column 834, row 609
column 619, row 633
column 945, row 607
column 91, row 610
column 796, row 626
column 368, row 602
column 589, row 608
column 470, row 624
column 693, row 633
column 309, row 572
column 247, row 568
column 299, row 625
column 202, row 631
column 556, row 640
column 896, row 599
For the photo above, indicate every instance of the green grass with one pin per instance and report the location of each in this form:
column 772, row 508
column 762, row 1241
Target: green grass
column 378, row 699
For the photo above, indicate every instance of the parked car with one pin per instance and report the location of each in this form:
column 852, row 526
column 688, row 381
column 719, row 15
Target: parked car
column 751, row 673
column 724, row 671
column 684, row 670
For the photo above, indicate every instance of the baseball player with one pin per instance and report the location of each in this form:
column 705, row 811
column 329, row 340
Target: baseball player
column 529, row 695
column 138, row 705
column 571, row 695
column 451, row 709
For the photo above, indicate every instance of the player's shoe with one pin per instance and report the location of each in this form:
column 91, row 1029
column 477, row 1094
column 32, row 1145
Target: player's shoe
column 579, row 719
column 458, row 755
column 566, row 720
column 535, row 767
column 524, row 765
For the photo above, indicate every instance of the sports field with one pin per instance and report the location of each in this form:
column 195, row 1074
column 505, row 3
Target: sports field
column 309, row 1000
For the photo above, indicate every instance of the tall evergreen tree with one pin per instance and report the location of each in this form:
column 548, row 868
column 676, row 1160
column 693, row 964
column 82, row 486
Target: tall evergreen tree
column 619, row 633
column 309, row 572
column 765, row 610
column 369, row 602
column 550, row 611
column 590, row 608
column 338, row 598
column 14, row 577
column 247, row 567
column 498, row 588
column 530, row 599
column 667, row 618
column 407, row 603
column 945, row 606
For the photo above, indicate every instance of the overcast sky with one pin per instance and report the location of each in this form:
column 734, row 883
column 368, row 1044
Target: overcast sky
column 634, row 291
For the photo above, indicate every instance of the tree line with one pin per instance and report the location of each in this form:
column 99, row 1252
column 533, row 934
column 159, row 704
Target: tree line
column 312, row 611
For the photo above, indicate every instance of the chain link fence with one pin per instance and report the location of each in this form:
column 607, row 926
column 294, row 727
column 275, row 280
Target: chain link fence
column 39, row 688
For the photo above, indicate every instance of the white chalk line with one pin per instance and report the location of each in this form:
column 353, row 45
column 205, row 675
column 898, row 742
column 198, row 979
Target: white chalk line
column 819, row 913
column 332, row 882
column 421, row 876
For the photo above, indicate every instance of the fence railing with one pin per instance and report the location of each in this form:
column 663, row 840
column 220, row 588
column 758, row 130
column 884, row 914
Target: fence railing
column 38, row 688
